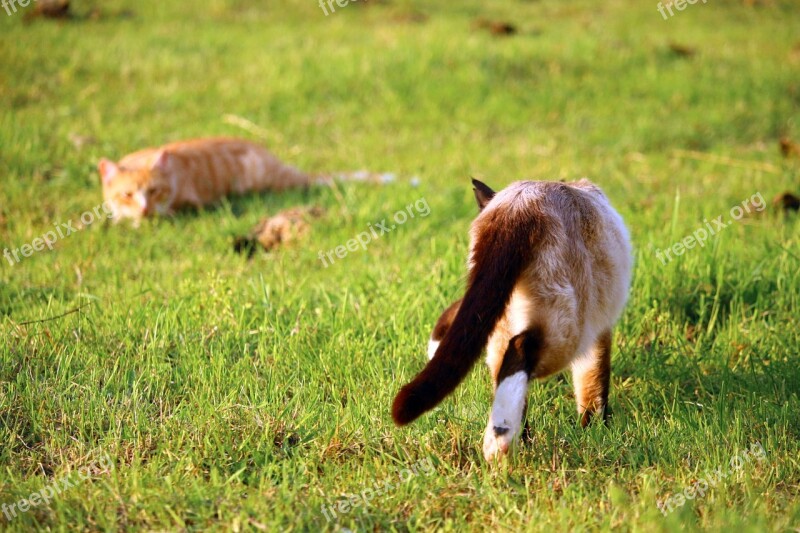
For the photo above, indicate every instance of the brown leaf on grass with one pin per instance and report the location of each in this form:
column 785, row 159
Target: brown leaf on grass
column 285, row 437
column 51, row 9
column 681, row 50
column 410, row 17
column 495, row 27
column 789, row 149
column 271, row 232
column 691, row 333
column 339, row 451
column 786, row 201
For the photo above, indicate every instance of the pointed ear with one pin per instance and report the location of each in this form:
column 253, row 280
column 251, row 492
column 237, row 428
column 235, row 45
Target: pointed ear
column 482, row 193
column 161, row 162
column 108, row 169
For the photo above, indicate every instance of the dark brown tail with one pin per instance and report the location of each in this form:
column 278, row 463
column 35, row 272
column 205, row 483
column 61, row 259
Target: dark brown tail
column 503, row 248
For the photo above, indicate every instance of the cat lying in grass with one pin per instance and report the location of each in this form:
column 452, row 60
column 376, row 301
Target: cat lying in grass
column 199, row 172
column 191, row 173
column 549, row 271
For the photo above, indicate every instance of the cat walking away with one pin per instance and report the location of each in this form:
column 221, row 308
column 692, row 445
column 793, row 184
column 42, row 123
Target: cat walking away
column 549, row 272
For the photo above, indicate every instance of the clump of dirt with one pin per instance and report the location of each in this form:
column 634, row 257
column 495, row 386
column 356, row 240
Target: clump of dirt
column 495, row 27
column 410, row 17
column 789, row 148
column 271, row 232
column 62, row 10
column 786, row 202
column 50, row 9
column 681, row 50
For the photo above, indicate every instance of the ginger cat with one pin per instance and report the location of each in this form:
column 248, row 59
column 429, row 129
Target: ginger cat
column 191, row 173
column 549, row 273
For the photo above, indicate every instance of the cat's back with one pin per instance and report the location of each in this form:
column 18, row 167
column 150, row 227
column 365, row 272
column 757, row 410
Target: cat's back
column 558, row 206
column 574, row 222
column 580, row 242
column 586, row 217
column 142, row 159
column 227, row 146
column 194, row 150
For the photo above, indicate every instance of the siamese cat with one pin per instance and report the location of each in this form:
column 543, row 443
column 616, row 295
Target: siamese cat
column 549, row 271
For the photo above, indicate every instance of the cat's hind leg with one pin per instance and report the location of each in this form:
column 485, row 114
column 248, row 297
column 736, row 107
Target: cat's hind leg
column 511, row 394
column 591, row 375
column 441, row 327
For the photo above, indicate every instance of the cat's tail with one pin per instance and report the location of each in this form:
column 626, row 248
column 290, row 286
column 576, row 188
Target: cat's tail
column 284, row 177
column 288, row 177
column 504, row 244
column 361, row 176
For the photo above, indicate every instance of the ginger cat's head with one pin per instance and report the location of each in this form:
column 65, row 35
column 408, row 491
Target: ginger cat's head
column 137, row 192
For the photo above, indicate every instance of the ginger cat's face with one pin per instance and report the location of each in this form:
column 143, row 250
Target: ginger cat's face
column 136, row 193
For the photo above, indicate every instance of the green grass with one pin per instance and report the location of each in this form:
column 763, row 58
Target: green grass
column 242, row 395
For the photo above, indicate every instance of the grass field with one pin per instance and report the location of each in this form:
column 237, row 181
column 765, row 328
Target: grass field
column 254, row 395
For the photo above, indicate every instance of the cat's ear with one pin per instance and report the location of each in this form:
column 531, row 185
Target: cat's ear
column 107, row 169
column 483, row 193
column 161, row 162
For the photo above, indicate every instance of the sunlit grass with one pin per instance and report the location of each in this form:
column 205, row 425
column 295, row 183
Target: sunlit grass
column 237, row 395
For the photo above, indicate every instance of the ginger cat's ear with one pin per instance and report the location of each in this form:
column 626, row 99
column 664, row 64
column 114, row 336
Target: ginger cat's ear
column 108, row 169
column 483, row 193
column 162, row 161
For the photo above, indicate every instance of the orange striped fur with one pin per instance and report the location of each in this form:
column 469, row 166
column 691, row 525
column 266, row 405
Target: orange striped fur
column 191, row 174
